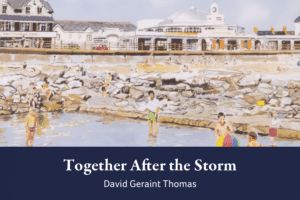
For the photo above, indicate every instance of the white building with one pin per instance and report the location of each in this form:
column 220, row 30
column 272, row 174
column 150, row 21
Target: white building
column 192, row 29
column 297, row 26
column 31, row 19
column 88, row 34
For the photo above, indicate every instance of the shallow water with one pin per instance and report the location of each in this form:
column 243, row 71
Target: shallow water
column 76, row 129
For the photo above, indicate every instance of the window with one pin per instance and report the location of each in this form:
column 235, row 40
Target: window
column 79, row 36
column 4, row 9
column 174, row 30
column 219, row 18
column 18, row 11
column 27, row 10
column 58, row 37
column 26, row 26
column 43, row 27
column 89, row 37
column 70, row 36
column 39, row 10
column 192, row 30
column 159, row 30
column 7, row 26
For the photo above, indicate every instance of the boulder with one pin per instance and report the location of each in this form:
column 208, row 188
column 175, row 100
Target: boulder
column 174, row 96
column 136, row 94
column 226, row 86
column 253, row 98
column 182, row 86
column 40, row 77
column 71, row 74
column 285, row 101
column 119, row 85
column 121, row 96
column 125, row 89
column 78, row 91
column 274, row 102
column 75, row 84
column 24, row 83
column 282, row 93
column 92, row 75
column 198, row 90
column 188, row 94
column 250, row 80
column 60, row 81
column 294, row 94
column 265, row 88
column 96, row 83
column 291, row 84
column 31, row 72
column 268, row 81
column 53, row 78
column 7, row 91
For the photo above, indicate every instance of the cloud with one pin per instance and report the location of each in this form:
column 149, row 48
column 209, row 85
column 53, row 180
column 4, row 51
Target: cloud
column 161, row 3
column 254, row 12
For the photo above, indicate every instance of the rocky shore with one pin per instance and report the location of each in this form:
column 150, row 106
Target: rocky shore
column 191, row 98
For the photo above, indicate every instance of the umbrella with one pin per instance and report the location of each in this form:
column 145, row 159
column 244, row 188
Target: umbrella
column 228, row 141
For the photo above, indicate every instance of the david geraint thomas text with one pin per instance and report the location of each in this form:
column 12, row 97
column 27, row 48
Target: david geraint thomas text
column 149, row 184
column 146, row 165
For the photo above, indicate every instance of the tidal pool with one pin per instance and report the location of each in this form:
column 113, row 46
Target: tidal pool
column 61, row 129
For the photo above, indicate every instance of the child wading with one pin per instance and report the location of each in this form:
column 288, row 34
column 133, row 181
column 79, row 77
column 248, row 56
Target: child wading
column 30, row 124
column 252, row 140
column 274, row 126
column 153, row 106
column 223, row 127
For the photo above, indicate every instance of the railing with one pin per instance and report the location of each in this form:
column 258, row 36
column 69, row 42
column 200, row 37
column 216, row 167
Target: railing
column 130, row 46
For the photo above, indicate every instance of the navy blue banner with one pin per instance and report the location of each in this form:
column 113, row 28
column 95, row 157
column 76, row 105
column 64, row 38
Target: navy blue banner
column 96, row 173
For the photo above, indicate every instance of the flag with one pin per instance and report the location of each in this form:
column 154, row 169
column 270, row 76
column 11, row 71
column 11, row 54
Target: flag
column 255, row 30
column 285, row 30
column 273, row 31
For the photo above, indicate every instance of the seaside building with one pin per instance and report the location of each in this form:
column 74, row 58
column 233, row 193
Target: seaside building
column 297, row 26
column 192, row 29
column 89, row 34
column 26, row 23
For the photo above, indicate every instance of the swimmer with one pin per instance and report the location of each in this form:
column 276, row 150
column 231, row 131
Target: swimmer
column 30, row 124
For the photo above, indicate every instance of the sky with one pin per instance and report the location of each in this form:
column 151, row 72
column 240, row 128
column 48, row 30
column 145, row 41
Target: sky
column 249, row 14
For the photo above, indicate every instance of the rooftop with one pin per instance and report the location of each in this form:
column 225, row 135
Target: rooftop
column 69, row 25
column 18, row 4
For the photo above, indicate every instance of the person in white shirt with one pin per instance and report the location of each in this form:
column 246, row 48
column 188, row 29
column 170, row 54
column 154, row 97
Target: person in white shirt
column 153, row 106
column 274, row 126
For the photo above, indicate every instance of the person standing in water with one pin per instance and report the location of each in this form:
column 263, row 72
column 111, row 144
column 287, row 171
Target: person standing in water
column 30, row 124
column 223, row 127
column 153, row 106
column 274, row 126
column 252, row 140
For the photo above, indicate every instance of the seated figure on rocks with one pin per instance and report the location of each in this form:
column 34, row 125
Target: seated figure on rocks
column 46, row 90
column 16, row 97
column 32, row 95
column 185, row 68
column 223, row 127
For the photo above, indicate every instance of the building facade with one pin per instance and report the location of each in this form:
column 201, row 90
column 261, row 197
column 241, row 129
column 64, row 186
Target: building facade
column 297, row 26
column 192, row 29
column 90, row 34
column 26, row 23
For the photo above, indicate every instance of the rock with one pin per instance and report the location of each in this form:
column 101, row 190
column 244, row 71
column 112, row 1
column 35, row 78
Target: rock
column 43, row 109
column 53, row 78
column 122, row 104
column 71, row 74
column 5, row 112
column 96, row 84
column 182, row 86
column 52, row 106
column 136, row 94
column 169, row 88
column 91, row 75
column 75, row 84
column 282, row 93
column 294, row 94
column 250, row 80
column 72, row 108
column 31, row 72
column 61, row 81
column 188, row 94
column 198, row 90
column 174, row 96
column 87, row 83
column 268, row 81
column 265, row 88
column 3, row 102
column 7, row 91
column 274, row 102
column 285, row 101
column 24, row 83
column 119, row 85
column 226, row 86
column 253, row 98
column 16, row 98
column 125, row 89
column 21, row 110
column 121, row 96
column 40, row 77
column 78, row 91
column 291, row 84
column 23, row 100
